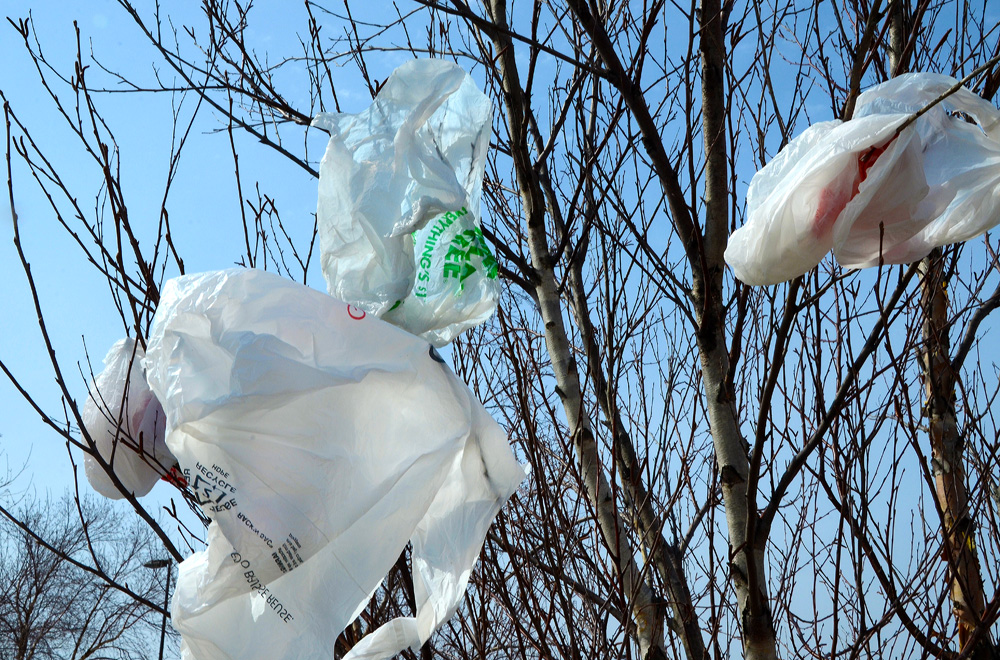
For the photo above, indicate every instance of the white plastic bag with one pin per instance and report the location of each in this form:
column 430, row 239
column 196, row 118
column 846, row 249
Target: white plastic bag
column 399, row 199
column 868, row 191
column 126, row 423
column 319, row 440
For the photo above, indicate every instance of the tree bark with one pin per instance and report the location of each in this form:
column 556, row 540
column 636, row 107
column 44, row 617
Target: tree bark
column 947, row 462
column 747, row 547
column 665, row 556
column 704, row 251
column 647, row 612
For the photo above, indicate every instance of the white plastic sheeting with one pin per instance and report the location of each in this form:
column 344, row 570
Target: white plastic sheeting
column 399, row 202
column 126, row 423
column 867, row 191
column 319, row 440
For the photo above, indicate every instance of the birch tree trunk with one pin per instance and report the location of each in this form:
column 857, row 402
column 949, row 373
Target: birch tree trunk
column 647, row 613
column 747, row 547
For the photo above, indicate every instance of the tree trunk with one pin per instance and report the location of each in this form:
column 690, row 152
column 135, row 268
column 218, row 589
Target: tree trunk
column 746, row 546
column 647, row 611
column 947, row 463
column 664, row 556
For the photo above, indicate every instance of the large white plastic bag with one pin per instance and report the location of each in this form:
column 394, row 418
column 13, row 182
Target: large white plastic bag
column 320, row 440
column 399, row 198
column 866, row 192
column 126, row 423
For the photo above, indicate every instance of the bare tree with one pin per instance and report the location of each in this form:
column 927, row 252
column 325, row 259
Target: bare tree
column 716, row 469
column 72, row 583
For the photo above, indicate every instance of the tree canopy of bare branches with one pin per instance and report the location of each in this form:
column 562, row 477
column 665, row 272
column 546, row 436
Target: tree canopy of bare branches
column 72, row 584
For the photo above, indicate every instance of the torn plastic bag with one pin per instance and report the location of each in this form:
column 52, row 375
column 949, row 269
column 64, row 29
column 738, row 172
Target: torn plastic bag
column 319, row 440
column 869, row 191
column 399, row 198
column 126, row 423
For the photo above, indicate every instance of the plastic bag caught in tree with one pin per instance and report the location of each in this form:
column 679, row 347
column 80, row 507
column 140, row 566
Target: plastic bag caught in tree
column 399, row 198
column 319, row 440
column 126, row 423
column 869, row 191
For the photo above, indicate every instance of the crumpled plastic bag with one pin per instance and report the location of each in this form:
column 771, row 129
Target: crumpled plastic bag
column 126, row 423
column 867, row 191
column 399, row 198
column 319, row 440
